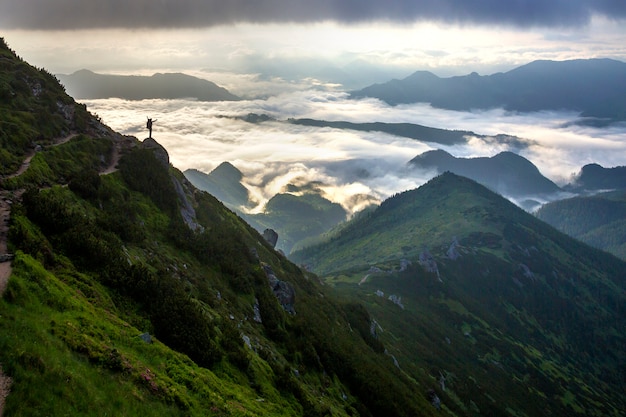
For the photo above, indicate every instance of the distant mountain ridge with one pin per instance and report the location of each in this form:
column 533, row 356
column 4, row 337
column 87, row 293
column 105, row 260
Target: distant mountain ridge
column 410, row 130
column 506, row 173
column 596, row 177
column 85, row 84
column 596, row 88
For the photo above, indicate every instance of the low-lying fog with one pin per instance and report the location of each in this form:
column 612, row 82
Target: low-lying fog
column 272, row 154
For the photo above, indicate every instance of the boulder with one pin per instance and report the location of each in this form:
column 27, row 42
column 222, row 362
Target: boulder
column 428, row 263
column 271, row 236
column 283, row 290
column 159, row 151
column 453, row 252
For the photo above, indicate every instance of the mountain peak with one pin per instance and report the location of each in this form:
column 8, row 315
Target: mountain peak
column 596, row 177
column 227, row 171
column 507, row 172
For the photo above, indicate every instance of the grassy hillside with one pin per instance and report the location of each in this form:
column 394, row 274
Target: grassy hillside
column 34, row 110
column 134, row 293
column 512, row 316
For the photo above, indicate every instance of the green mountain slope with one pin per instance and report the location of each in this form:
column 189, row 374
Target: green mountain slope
column 134, row 293
column 507, row 314
column 34, row 110
column 598, row 220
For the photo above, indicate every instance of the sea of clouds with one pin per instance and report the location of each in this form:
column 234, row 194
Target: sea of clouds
column 352, row 167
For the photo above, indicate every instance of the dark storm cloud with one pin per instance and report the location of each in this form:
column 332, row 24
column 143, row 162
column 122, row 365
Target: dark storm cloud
column 85, row 14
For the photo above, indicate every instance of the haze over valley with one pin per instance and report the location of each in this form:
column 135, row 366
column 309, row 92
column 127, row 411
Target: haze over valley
column 271, row 154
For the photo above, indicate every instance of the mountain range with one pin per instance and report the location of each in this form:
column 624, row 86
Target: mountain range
column 506, row 173
column 595, row 88
column 132, row 292
column 85, row 84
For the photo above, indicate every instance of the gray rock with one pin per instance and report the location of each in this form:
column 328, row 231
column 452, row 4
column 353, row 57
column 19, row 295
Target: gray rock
column 246, row 340
column 186, row 209
column 397, row 300
column 257, row 312
column 428, row 263
column 453, row 252
column 527, row 272
column 283, row 290
column 271, row 236
column 159, row 151
column 146, row 337
column 6, row 257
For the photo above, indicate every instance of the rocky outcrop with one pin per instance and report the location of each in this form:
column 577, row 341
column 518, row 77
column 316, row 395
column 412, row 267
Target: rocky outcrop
column 453, row 251
column 283, row 290
column 428, row 263
column 186, row 209
column 271, row 236
column 404, row 264
column 256, row 308
column 397, row 300
column 159, row 151
column 6, row 257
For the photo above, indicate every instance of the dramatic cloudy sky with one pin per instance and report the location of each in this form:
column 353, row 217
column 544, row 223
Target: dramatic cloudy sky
column 294, row 58
column 283, row 37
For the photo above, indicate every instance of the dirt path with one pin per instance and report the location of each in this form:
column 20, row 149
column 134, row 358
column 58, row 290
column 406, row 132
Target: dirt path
column 115, row 158
column 5, row 273
column 32, row 153
column 5, row 263
column 6, row 200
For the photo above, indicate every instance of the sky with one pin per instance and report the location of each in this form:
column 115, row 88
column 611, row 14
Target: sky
column 297, row 58
column 297, row 38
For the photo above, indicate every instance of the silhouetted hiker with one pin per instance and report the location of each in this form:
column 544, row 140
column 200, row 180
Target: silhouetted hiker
column 149, row 126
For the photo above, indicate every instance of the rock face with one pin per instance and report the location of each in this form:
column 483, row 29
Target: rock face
column 282, row 290
column 271, row 236
column 428, row 263
column 159, row 151
column 186, row 209
column 453, row 252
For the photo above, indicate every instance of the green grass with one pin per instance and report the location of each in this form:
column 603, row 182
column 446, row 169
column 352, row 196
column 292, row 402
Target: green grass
column 69, row 353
